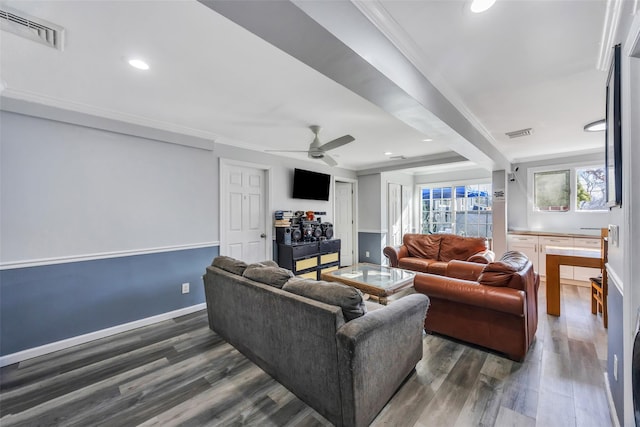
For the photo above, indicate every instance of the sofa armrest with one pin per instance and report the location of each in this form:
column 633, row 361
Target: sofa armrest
column 394, row 253
column 376, row 352
column 484, row 257
column 501, row 299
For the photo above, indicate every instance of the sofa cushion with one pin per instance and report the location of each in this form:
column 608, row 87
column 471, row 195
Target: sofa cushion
column 499, row 273
column 415, row 264
column 459, row 247
column 229, row 264
column 425, row 246
column 268, row 274
column 345, row 297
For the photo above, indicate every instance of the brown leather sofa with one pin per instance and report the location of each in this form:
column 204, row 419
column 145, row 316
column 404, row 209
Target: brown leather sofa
column 493, row 305
column 430, row 253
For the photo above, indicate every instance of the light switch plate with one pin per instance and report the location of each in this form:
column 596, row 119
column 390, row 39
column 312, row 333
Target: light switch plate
column 614, row 235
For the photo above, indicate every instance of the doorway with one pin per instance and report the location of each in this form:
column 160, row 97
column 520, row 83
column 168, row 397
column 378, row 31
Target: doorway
column 245, row 229
column 344, row 220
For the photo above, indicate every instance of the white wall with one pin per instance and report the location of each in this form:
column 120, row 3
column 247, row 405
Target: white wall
column 369, row 204
column 282, row 177
column 520, row 215
column 69, row 190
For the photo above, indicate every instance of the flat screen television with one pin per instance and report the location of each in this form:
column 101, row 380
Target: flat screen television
column 310, row 185
column 613, row 154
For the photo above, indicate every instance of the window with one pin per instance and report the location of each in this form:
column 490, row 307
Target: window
column 551, row 191
column 590, row 189
column 580, row 188
column 461, row 209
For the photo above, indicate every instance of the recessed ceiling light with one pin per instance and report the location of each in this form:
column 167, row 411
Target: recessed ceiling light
column 139, row 64
column 597, row 126
column 479, row 6
column 388, row 153
column 427, row 140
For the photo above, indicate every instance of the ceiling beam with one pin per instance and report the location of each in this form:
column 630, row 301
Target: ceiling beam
column 337, row 40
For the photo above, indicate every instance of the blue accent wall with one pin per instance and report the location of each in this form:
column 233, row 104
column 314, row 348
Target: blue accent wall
column 44, row 304
column 614, row 346
column 371, row 242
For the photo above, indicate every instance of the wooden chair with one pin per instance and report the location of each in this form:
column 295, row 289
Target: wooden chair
column 599, row 285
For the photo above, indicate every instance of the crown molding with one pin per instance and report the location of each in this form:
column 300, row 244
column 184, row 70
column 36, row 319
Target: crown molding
column 612, row 18
column 376, row 13
column 38, row 105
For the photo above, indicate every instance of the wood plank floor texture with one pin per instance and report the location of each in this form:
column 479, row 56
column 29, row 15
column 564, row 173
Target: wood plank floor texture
column 178, row 372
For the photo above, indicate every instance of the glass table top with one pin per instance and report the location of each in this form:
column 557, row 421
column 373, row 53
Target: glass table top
column 379, row 276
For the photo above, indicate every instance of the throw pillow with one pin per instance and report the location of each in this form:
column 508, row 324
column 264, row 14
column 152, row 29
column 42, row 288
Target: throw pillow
column 345, row 297
column 499, row 273
column 229, row 264
column 269, row 275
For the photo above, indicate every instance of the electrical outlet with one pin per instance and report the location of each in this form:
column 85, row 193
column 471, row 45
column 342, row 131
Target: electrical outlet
column 615, row 367
column 185, row 288
column 366, row 254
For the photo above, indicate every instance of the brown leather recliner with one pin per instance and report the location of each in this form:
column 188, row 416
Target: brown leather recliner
column 430, row 253
column 493, row 305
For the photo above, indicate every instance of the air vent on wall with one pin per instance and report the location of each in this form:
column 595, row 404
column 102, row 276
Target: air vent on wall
column 519, row 133
column 32, row 28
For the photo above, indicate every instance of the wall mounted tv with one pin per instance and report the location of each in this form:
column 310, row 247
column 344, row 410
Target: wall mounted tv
column 310, row 185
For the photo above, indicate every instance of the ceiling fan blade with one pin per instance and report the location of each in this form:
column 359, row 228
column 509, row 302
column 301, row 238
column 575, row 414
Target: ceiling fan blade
column 329, row 160
column 286, row 151
column 338, row 142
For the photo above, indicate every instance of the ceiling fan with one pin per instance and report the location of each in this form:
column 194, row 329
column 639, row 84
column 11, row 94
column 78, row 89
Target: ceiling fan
column 317, row 150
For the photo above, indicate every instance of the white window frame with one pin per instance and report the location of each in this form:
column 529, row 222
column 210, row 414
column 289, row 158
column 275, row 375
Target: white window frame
column 453, row 185
column 573, row 187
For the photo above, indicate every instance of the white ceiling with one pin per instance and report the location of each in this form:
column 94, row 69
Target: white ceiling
column 521, row 64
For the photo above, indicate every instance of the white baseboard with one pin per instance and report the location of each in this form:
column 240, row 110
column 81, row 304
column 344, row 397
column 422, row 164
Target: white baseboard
column 20, row 356
column 612, row 406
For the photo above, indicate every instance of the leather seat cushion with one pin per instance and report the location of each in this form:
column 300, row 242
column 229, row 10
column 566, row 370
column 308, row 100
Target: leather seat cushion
column 415, row 264
column 460, row 248
column 425, row 246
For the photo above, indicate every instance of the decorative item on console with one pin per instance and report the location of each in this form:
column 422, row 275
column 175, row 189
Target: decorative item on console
column 301, row 227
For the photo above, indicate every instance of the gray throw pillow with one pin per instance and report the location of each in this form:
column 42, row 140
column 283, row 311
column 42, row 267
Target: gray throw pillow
column 229, row 264
column 345, row 297
column 269, row 275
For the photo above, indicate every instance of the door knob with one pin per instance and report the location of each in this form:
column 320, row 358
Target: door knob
column 263, row 235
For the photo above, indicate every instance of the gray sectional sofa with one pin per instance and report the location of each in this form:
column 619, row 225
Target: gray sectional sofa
column 345, row 370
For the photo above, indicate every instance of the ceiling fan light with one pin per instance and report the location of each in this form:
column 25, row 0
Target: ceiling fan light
column 479, row 6
column 597, row 126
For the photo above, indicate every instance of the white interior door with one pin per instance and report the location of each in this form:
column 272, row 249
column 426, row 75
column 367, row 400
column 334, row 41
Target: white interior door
column 394, row 214
column 407, row 196
column 243, row 205
column 344, row 224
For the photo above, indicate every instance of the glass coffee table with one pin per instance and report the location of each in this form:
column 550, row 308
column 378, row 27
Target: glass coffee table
column 378, row 281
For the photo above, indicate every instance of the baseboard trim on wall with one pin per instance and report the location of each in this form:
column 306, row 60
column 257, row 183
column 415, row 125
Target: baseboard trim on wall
column 612, row 406
column 30, row 353
column 104, row 255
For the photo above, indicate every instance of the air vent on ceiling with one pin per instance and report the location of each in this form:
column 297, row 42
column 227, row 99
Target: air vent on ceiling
column 35, row 29
column 519, row 133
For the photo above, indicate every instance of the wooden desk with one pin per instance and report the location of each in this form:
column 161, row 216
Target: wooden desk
column 557, row 256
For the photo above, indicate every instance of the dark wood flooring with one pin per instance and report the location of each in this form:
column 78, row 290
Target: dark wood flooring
column 178, row 372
